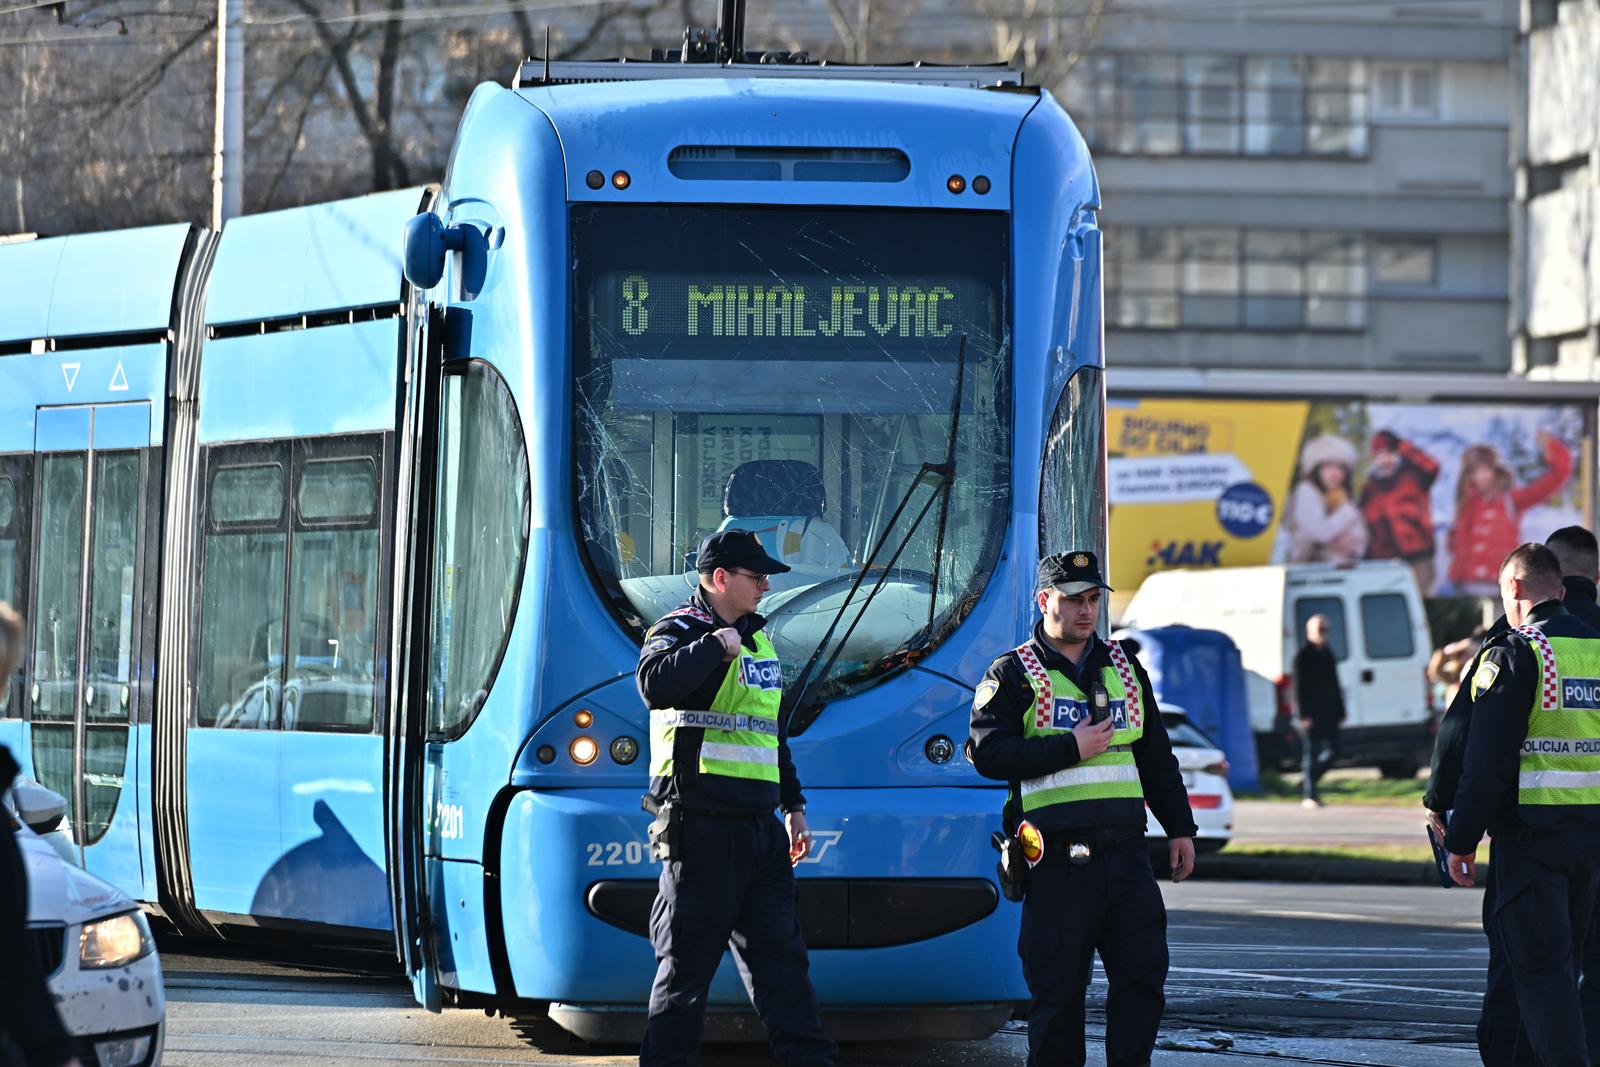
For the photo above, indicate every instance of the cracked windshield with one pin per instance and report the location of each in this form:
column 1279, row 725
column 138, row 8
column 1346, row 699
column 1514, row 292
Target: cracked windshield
column 796, row 372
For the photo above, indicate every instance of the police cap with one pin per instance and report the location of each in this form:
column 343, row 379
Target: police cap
column 1071, row 573
column 736, row 548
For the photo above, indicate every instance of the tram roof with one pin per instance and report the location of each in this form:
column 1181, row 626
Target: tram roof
column 90, row 284
column 539, row 72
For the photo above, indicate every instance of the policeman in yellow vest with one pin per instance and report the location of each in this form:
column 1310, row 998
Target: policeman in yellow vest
column 1531, row 780
column 1070, row 721
column 719, row 766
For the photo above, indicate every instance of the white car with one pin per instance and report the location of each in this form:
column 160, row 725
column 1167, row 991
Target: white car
column 94, row 946
column 1205, row 776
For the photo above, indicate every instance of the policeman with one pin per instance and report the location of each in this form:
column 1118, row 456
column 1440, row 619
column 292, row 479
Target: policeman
column 719, row 765
column 1071, row 722
column 1531, row 779
column 1499, row 1021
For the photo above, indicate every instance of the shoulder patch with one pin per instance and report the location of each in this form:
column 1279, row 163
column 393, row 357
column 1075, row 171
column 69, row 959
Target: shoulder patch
column 1484, row 677
column 984, row 693
column 659, row 644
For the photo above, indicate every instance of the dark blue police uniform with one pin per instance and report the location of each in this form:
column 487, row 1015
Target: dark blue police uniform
column 1545, row 849
column 1102, row 894
column 720, row 754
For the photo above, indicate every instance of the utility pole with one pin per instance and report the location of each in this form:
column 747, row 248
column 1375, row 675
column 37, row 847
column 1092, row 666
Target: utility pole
column 227, row 156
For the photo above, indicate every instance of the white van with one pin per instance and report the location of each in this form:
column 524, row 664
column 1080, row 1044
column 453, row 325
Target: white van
column 1380, row 638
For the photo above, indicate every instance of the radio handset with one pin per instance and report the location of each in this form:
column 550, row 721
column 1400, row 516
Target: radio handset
column 1099, row 704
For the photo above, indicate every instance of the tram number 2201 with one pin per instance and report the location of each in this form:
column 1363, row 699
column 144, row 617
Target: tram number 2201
column 449, row 820
column 617, row 853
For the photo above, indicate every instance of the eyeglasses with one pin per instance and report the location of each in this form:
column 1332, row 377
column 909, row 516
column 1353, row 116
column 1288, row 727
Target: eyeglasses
column 759, row 579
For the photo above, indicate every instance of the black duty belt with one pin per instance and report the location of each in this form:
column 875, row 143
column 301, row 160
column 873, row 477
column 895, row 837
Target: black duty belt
column 1061, row 843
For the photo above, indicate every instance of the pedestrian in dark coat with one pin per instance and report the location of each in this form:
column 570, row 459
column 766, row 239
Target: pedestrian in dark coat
column 1320, row 701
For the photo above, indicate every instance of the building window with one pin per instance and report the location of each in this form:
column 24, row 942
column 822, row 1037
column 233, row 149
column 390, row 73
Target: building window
column 1226, row 278
column 1406, row 91
column 1404, row 261
column 1220, row 105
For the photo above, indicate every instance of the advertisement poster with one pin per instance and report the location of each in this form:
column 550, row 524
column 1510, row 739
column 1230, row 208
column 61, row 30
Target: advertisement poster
column 1449, row 488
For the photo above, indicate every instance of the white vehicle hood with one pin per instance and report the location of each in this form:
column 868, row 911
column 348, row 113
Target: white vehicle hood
column 61, row 893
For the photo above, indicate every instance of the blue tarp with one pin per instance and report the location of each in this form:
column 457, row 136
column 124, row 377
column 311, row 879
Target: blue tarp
column 1200, row 671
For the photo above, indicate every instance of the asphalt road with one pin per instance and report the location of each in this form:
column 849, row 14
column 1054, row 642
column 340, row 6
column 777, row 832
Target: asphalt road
column 1301, row 974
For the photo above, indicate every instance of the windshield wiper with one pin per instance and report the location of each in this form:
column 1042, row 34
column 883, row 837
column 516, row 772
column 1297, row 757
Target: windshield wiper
column 796, row 708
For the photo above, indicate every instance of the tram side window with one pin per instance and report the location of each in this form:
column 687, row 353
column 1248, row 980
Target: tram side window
column 334, row 593
column 16, row 494
column 480, row 543
column 242, row 598
column 1072, row 505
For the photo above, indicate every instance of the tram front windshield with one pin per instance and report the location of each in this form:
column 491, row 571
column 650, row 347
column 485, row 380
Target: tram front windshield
column 796, row 372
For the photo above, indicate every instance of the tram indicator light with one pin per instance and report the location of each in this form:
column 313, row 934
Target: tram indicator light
column 624, row 750
column 621, row 179
column 956, row 184
column 594, row 179
column 980, row 185
column 583, row 719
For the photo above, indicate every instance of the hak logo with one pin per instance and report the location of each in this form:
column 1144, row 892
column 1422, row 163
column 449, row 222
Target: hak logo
column 762, row 673
column 1069, row 713
column 1185, row 554
column 1581, row 693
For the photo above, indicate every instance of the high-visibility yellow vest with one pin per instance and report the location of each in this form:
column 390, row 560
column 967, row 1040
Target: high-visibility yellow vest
column 741, row 726
column 1560, row 763
column 1058, row 706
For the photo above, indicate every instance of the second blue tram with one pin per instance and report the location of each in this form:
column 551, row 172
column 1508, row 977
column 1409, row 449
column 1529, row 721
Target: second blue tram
column 335, row 581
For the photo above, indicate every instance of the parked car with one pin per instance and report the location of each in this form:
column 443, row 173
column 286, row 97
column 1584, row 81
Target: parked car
column 1379, row 638
column 95, row 946
column 1205, row 775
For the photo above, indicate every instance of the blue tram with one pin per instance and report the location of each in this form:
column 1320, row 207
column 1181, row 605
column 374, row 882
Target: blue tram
column 336, row 550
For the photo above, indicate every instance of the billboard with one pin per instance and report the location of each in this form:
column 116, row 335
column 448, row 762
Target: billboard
column 1447, row 487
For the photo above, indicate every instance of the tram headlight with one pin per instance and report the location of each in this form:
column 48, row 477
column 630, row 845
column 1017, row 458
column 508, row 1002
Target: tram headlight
column 624, row 750
column 114, row 942
column 939, row 749
column 583, row 751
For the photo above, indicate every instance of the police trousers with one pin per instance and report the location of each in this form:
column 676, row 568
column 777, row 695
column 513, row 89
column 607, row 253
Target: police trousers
column 1546, row 886
column 1111, row 904
column 733, row 887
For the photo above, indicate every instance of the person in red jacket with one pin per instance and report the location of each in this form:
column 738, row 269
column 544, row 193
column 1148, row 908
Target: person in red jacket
column 1395, row 504
column 1489, row 507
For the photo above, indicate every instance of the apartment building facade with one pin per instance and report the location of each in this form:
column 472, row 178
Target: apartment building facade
column 1304, row 186
column 1556, row 134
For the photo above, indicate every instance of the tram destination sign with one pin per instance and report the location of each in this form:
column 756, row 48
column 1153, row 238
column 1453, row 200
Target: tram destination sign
column 644, row 310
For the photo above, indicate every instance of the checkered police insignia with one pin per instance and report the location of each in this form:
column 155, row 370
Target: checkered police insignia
column 693, row 612
column 1044, row 699
column 1080, row 560
column 1549, row 684
column 1130, row 683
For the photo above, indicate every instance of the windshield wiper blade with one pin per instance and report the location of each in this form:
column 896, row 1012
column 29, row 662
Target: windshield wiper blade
column 796, row 709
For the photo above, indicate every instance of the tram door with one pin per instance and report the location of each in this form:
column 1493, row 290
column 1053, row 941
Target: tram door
column 90, row 470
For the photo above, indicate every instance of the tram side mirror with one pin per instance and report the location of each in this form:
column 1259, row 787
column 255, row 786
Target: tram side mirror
column 428, row 240
column 37, row 806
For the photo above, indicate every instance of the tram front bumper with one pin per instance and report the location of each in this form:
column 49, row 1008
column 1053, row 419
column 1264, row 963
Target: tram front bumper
column 898, row 902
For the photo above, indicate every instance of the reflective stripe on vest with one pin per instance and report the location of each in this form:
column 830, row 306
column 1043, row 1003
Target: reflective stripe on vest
column 1560, row 761
column 1058, row 706
column 741, row 726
